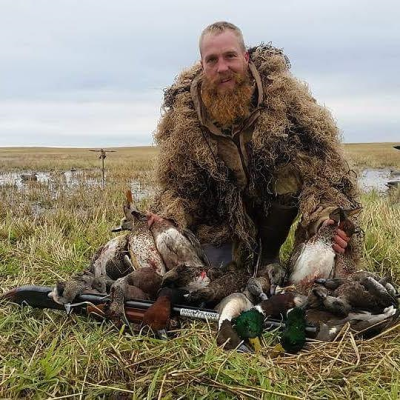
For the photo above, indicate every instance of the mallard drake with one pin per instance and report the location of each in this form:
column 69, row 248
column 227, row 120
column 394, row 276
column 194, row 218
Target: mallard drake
column 359, row 291
column 247, row 320
column 293, row 336
column 176, row 246
column 230, row 308
column 316, row 258
column 250, row 323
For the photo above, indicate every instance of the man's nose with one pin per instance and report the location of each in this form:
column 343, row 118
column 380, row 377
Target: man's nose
column 222, row 66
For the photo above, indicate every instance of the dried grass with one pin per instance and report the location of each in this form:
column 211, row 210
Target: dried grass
column 47, row 234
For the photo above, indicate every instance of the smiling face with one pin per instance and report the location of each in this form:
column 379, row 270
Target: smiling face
column 224, row 59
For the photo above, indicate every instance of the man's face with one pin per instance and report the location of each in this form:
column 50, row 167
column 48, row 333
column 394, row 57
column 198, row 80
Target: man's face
column 222, row 58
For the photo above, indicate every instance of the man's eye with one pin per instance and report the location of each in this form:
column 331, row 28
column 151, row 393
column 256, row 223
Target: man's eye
column 211, row 60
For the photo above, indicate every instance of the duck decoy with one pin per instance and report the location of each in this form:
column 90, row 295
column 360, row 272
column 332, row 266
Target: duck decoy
column 32, row 177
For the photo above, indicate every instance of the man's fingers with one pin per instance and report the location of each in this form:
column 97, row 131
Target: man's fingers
column 338, row 240
column 338, row 249
column 342, row 235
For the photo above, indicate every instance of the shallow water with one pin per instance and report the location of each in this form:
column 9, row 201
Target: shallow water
column 377, row 179
column 369, row 179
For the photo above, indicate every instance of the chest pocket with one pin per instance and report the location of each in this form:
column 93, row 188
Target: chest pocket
column 230, row 154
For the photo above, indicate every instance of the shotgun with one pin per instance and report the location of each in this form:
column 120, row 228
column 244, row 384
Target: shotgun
column 38, row 297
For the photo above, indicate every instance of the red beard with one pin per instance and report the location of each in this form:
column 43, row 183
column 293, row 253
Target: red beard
column 229, row 105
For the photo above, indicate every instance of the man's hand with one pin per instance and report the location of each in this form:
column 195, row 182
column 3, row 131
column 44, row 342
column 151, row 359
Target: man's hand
column 340, row 240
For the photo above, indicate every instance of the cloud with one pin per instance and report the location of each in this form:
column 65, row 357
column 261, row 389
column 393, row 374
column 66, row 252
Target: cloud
column 75, row 53
column 84, row 123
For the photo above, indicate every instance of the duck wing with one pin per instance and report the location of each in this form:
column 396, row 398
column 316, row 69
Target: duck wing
column 191, row 237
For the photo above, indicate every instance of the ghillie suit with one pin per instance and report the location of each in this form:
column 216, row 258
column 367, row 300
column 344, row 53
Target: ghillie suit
column 248, row 185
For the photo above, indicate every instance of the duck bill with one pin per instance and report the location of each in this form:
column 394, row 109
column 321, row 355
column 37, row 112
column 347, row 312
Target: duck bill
column 256, row 344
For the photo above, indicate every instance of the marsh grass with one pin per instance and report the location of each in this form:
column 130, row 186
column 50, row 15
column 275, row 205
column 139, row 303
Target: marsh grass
column 49, row 233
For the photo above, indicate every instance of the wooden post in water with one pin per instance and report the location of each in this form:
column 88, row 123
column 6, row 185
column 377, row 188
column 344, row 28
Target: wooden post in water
column 102, row 158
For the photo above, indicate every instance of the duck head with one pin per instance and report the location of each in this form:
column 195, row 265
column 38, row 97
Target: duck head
column 294, row 336
column 133, row 217
column 249, row 326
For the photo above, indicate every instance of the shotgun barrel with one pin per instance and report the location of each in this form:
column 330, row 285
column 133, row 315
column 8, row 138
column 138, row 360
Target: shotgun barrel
column 38, row 297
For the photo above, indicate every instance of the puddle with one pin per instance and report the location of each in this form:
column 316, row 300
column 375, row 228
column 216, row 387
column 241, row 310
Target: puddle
column 140, row 191
column 67, row 180
column 369, row 179
column 378, row 179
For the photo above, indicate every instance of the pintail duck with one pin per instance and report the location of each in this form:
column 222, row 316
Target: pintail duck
column 141, row 244
column 316, row 258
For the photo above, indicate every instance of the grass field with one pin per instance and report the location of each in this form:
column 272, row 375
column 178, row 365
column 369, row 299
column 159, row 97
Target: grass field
column 49, row 231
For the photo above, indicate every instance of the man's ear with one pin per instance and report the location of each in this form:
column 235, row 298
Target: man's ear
column 247, row 56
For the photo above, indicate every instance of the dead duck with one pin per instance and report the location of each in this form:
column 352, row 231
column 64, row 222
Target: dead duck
column 231, row 280
column 158, row 316
column 361, row 290
column 230, row 308
column 141, row 284
column 239, row 318
column 316, row 258
column 118, row 257
column 176, row 246
column 108, row 263
column 250, row 323
column 362, row 323
column 141, row 245
column 274, row 273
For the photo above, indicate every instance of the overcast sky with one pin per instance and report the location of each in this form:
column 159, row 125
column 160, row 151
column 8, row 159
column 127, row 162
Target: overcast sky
column 92, row 72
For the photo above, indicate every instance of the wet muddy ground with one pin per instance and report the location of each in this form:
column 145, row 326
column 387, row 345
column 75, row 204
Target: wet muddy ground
column 369, row 179
column 67, row 180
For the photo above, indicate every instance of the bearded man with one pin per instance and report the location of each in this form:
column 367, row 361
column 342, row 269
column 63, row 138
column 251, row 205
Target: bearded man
column 244, row 149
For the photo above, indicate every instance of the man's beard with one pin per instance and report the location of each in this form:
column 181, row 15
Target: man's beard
column 227, row 106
